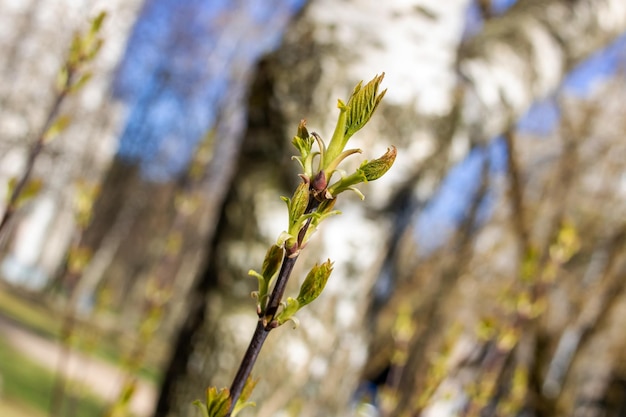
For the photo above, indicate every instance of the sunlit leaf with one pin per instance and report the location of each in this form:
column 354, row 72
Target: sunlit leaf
column 56, row 128
column 217, row 402
column 271, row 264
column 82, row 81
column 30, row 190
column 314, row 283
column 202, row 407
column 302, row 141
column 96, row 23
column 298, row 205
column 62, row 78
column 354, row 115
column 363, row 104
column 378, row 167
column 272, row 261
column 290, row 307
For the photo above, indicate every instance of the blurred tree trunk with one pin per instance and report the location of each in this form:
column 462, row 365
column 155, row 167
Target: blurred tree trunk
column 521, row 316
column 516, row 59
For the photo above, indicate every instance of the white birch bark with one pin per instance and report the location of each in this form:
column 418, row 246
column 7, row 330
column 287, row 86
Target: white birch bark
column 516, row 59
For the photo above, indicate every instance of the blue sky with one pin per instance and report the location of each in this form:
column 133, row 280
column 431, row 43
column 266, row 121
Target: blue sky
column 181, row 62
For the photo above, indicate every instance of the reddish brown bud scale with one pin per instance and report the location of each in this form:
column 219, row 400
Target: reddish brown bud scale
column 319, row 183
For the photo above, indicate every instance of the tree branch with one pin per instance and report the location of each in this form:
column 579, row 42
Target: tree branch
column 266, row 321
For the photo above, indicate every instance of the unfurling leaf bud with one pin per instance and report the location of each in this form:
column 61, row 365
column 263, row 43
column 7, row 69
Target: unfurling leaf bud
column 314, row 283
column 217, row 402
column 82, row 81
column 378, row 167
column 353, row 116
column 362, row 104
column 302, row 141
column 298, row 204
column 56, row 128
column 96, row 23
column 62, row 78
column 273, row 258
column 302, row 131
column 25, row 193
column 290, row 307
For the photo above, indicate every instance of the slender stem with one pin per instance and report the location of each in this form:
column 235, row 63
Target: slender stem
column 279, row 289
column 258, row 338
column 32, row 156
column 263, row 328
column 265, row 324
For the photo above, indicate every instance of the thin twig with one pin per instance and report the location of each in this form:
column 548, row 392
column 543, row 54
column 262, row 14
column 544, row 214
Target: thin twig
column 254, row 348
column 34, row 152
column 266, row 322
column 516, row 195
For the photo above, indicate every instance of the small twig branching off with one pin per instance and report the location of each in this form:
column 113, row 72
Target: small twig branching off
column 71, row 78
column 312, row 202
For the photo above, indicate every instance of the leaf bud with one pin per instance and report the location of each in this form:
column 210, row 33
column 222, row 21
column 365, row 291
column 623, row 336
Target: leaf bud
column 378, row 167
column 302, row 131
column 273, row 259
column 319, row 182
column 314, row 283
column 362, row 104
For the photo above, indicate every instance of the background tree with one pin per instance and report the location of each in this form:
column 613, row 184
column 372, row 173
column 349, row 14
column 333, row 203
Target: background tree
column 481, row 277
column 514, row 59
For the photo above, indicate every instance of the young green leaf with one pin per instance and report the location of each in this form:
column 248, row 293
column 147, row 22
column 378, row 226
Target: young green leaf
column 297, row 206
column 217, row 402
column 354, row 115
column 96, row 23
column 62, row 78
column 82, row 81
column 59, row 125
column 368, row 171
column 363, row 104
column 314, row 283
column 302, row 141
column 30, row 190
column 202, row 407
column 290, row 307
column 271, row 263
column 75, row 51
column 378, row 167
column 243, row 402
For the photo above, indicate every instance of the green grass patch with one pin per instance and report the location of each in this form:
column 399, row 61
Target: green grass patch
column 26, row 382
column 44, row 322
column 36, row 317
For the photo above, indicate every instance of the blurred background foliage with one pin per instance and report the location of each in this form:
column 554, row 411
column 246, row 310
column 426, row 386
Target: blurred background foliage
column 484, row 274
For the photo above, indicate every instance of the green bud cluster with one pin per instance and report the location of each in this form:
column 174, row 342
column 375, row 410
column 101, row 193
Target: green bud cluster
column 218, row 402
column 314, row 199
